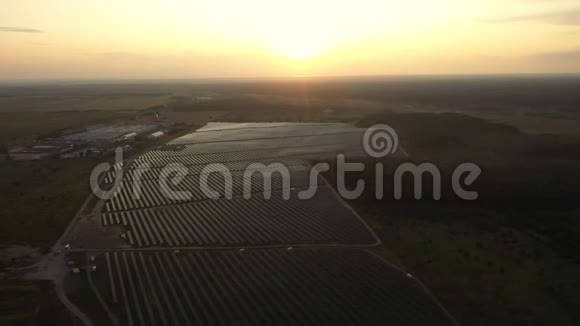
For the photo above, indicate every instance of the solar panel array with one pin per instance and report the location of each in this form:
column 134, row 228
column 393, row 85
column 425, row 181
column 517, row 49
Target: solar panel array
column 249, row 154
column 256, row 131
column 272, row 143
column 263, row 287
column 235, row 166
column 163, row 214
column 153, row 193
column 241, row 222
column 238, row 261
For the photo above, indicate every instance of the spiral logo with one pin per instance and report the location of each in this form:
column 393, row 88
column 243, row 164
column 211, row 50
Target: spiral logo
column 380, row 140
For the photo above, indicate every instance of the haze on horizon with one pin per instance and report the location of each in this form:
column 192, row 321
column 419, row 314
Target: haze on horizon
column 61, row 39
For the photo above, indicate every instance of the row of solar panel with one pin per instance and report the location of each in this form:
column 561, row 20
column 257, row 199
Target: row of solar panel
column 245, row 222
column 338, row 138
column 153, row 193
column 238, row 134
column 154, row 173
column 256, row 155
column 263, row 287
column 204, row 159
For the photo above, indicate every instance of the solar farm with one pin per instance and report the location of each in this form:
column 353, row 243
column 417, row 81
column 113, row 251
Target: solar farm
column 241, row 222
column 261, row 287
column 245, row 260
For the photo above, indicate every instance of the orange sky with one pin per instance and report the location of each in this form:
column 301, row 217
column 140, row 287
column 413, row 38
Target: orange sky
column 256, row 38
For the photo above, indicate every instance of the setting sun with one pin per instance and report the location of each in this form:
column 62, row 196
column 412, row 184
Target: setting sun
column 303, row 162
column 298, row 46
column 297, row 50
column 225, row 38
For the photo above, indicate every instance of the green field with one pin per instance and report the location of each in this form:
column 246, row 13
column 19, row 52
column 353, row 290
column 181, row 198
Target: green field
column 42, row 199
column 30, row 303
column 92, row 103
column 500, row 276
column 508, row 258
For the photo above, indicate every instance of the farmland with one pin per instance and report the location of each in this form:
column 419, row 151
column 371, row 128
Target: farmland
column 64, row 97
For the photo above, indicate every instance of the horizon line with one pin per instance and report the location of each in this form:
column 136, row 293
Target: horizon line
column 267, row 78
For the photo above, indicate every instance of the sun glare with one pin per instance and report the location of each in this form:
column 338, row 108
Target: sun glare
column 297, row 51
column 298, row 44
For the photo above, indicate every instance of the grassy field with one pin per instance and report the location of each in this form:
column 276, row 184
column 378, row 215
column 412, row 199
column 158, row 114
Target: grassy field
column 79, row 103
column 508, row 258
column 40, row 198
column 18, row 300
column 500, row 276
column 30, row 303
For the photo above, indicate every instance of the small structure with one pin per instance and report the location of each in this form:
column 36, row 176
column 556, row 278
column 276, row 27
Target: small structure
column 35, row 152
column 130, row 136
column 109, row 134
column 92, row 141
column 156, row 135
column 95, row 151
column 74, row 154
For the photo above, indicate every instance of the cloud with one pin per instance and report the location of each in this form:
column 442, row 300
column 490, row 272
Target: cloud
column 124, row 55
column 20, row 29
column 567, row 56
column 568, row 18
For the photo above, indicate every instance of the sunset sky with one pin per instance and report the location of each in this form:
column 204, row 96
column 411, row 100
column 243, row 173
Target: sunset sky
column 257, row 38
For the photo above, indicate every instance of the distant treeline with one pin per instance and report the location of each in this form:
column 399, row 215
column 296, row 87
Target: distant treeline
column 468, row 93
column 528, row 182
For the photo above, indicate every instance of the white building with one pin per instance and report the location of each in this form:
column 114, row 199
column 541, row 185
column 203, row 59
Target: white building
column 156, row 135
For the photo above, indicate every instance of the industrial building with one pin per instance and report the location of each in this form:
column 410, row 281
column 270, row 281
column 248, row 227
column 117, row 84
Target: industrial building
column 93, row 141
column 110, row 133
